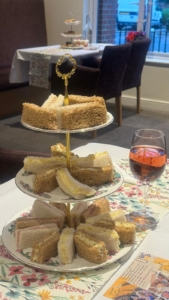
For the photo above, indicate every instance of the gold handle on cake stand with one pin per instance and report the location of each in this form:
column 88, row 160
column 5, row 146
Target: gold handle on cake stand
column 65, row 77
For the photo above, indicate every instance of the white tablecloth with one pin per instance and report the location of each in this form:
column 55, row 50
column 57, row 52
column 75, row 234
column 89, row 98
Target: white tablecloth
column 156, row 242
column 21, row 60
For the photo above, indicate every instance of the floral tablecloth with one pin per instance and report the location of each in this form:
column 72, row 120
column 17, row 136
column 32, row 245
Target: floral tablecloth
column 19, row 281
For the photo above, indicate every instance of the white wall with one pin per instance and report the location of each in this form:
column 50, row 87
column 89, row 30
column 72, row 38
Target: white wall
column 56, row 12
column 155, row 78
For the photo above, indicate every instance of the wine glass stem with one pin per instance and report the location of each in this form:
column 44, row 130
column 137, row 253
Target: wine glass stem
column 145, row 192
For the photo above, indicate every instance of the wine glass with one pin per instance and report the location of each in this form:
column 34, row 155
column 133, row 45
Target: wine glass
column 147, row 161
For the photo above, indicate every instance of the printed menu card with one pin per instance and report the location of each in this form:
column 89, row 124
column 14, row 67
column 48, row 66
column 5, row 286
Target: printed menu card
column 147, row 278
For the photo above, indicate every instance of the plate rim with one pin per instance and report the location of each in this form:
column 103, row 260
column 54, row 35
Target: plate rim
column 68, row 200
column 44, row 267
column 110, row 119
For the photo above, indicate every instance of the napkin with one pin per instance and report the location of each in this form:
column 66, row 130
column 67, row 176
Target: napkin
column 127, row 178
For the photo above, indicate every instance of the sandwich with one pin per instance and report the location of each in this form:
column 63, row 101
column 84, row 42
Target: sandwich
column 112, row 216
column 45, row 181
column 90, row 248
column 53, row 101
column 126, row 232
column 42, row 209
column 108, row 236
column 66, row 247
column 75, row 214
column 93, row 176
column 78, row 99
column 38, row 165
column 97, row 160
column 27, row 236
column 25, row 222
column 62, row 207
column 71, row 186
column 45, row 248
column 59, row 150
column 98, row 207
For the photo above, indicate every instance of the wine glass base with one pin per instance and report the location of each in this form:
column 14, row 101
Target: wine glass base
column 143, row 221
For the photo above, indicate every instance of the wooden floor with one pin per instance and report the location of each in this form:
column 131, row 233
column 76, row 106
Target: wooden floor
column 11, row 100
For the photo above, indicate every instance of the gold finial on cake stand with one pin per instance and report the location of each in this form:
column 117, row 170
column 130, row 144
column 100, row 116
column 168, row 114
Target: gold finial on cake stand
column 72, row 64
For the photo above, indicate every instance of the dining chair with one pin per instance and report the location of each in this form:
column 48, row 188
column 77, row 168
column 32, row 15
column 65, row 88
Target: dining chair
column 133, row 72
column 105, row 79
column 11, row 161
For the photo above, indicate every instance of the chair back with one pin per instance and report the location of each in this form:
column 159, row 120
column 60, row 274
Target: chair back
column 132, row 76
column 113, row 64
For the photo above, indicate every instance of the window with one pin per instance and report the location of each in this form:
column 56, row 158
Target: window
column 111, row 20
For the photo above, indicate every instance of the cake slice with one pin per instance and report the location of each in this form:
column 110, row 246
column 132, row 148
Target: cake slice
column 93, row 176
column 90, row 248
column 46, row 248
column 75, row 214
column 109, row 237
column 71, row 186
column 27, row 236
column 25, row 222
column 66, row 247
column 98, row 207
column 45, row 181
column 126, row 232
column 42, row 209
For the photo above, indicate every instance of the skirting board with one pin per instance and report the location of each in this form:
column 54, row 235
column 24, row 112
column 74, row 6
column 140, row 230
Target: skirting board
column 146, row 104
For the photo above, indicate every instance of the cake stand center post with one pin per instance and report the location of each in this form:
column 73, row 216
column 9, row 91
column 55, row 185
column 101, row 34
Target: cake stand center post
column 66, row 61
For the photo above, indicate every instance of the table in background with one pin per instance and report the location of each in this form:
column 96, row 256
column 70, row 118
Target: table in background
column 82, row 286
column 21, row 61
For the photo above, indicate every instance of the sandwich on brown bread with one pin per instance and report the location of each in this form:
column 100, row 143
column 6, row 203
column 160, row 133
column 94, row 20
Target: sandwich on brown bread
column 61, row 206
column 108, row 236
column 66, row 247
column 42, row 209
column 27, row 236
column 78, row 99
column 45, row 248
column 93, row 176
column 75, row 214
column 71, row 186
column 25, row 222
column 98, row 207
column 45, row 181
column 126, row 232
column 96, row 160
column 107, row 219
column 90, row 248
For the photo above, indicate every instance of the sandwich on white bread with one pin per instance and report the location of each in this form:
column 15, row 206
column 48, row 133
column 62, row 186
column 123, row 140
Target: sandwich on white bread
column 25, row 222
column 97, row 160
column 98, row 207
column 71, row 186
column 45, row 181
column 108, row 236
column 37, row 165
column 75, row 214
column 126, row 232
column 45, row 248
column 53, row 101
column 90, row 248
column 66, row 247
column 27, row 236
column 43, row 209
column 110, row 217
